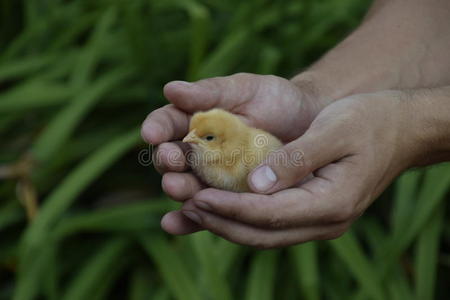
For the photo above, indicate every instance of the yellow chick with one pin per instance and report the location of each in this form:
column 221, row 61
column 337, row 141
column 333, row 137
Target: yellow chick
column 225, row 149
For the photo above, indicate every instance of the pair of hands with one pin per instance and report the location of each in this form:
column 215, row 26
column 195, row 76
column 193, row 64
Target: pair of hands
column 354, row 147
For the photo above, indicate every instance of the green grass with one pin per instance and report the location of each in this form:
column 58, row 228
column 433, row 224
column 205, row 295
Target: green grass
column 77, row 78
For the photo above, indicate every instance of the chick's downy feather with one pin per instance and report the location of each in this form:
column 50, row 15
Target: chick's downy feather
column 225, row 149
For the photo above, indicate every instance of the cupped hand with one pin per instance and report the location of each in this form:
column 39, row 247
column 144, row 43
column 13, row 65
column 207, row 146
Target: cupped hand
column 355, row 147
column 268, row 102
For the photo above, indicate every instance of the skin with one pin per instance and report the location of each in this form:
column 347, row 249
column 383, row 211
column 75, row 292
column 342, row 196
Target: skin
column 401, row 44
column 354, row 146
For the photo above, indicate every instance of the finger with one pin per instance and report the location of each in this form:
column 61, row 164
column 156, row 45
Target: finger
column 181, row 186
column 296, row 160
column 257, row 237
column 176, row 223
column 330, row 197
column 170, row 157
column 224, row 92
column 165, row 124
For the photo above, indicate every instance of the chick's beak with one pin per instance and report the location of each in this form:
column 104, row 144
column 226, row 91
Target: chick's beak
column 191, row 137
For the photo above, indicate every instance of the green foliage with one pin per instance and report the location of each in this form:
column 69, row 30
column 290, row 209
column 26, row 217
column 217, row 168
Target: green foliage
column 77, row 78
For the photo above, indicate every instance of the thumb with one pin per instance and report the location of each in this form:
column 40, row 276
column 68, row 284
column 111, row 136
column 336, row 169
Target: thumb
column 222, row 92
column 296, row 160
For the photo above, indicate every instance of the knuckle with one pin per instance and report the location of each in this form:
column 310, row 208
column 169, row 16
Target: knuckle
column 349, row 119
column 297, row 158
column 254, row 207
column 272, row 77
column 276, row 81
column 346, row 120
column 357, row 107
column 163, row 116
column 233, row 213
column 161, row 111
column 305, row 161
column 275, row 221
column 212, row 84
column 157, row 159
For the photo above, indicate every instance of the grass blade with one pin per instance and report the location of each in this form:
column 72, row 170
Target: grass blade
column 10, row 213
column 307, row 267
column 229, row 254
column 92, row 274
column 405, row 199
column 200, row 33
column 34, row 94
column 140, row 288
column 137, row 216
column 261, row 280
column 167, row 260
column 215, row 282
column 23, row 67
column 30, row 279
column 89, row 58
column 426, row 259
column 225, row 57
column 62, row 125
column 435, row 186
column 63, row 196
column 348, row 249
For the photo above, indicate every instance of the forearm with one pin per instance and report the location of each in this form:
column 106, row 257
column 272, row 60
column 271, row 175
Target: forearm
column 400, row 44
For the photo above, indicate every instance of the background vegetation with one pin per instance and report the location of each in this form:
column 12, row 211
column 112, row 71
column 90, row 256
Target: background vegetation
column 79, row 216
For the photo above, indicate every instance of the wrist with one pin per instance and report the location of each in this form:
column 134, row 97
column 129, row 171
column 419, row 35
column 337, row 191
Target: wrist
column 396, row 47
column 428, row 122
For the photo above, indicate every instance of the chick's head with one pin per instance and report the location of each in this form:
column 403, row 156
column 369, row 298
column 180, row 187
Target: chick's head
column 216, row 130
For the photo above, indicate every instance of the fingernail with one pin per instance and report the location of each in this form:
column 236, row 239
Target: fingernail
column 202, row 205
column 194, row 217
column 263, row 178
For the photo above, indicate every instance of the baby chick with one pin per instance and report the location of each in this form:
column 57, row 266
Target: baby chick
column 225, row 149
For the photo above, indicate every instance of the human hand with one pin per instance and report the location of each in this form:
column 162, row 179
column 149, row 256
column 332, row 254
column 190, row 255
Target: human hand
column 355, row 148
column 270, row 103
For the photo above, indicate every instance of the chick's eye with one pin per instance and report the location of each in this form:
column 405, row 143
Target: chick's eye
column 209, row 138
